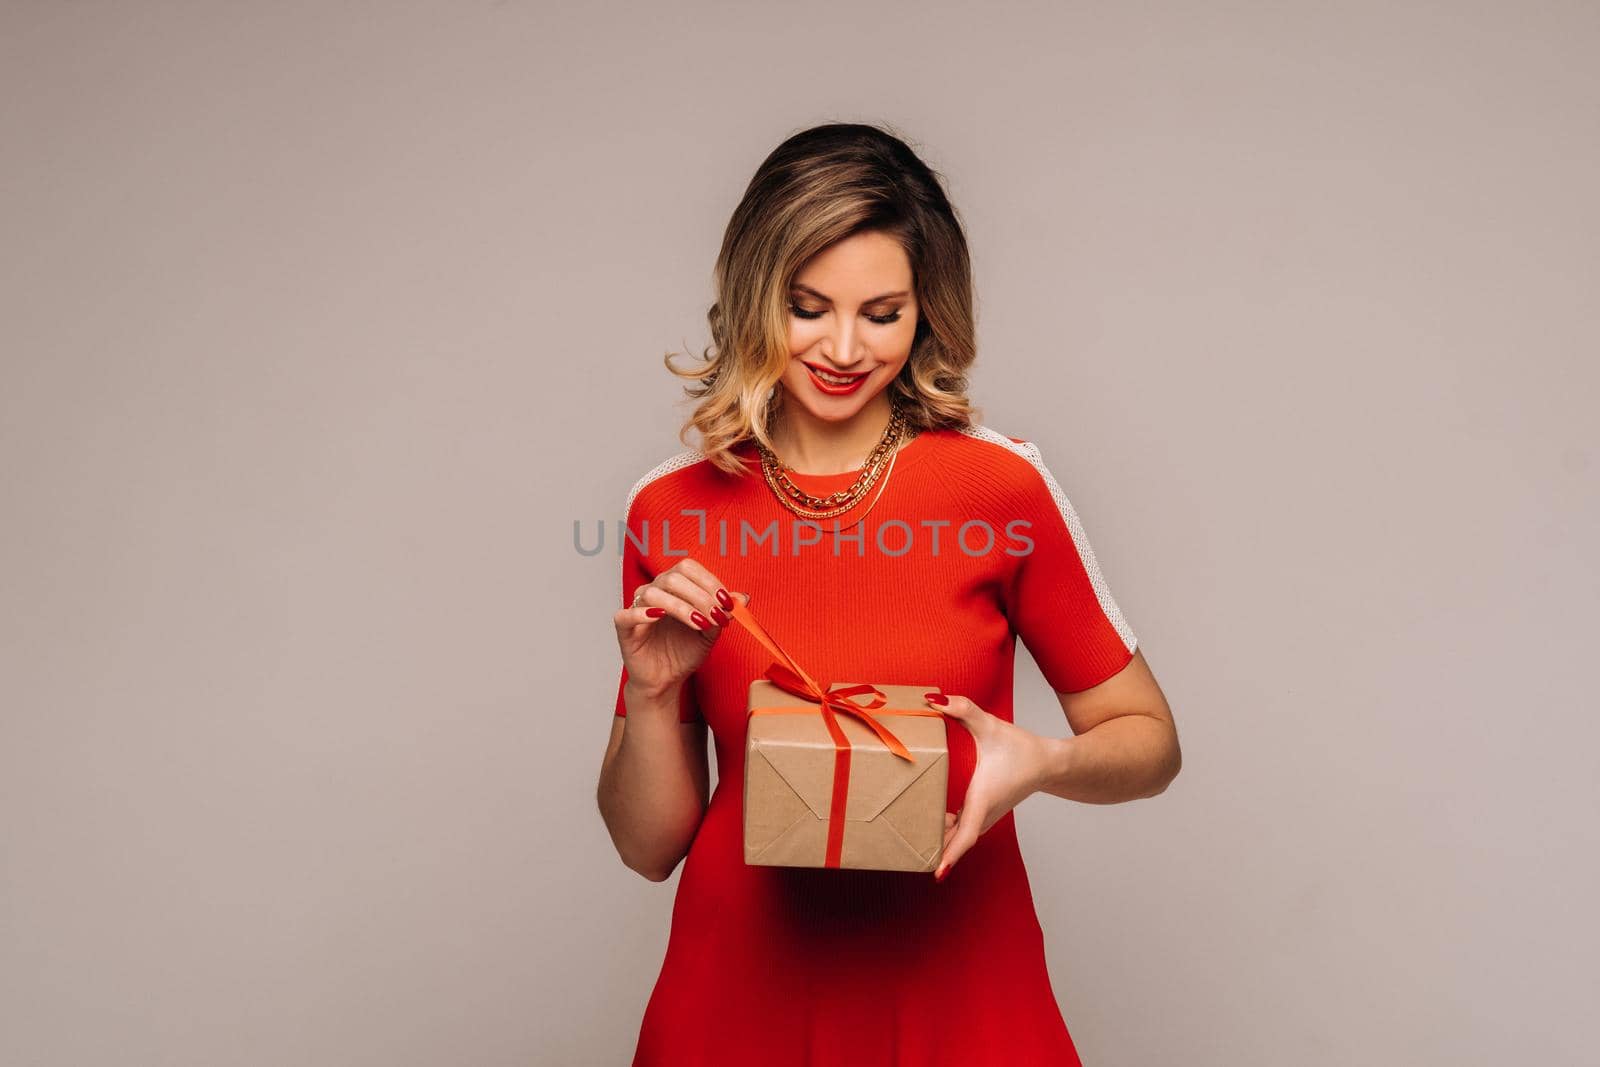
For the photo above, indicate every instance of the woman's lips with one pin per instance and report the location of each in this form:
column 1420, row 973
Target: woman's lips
column 832, row 389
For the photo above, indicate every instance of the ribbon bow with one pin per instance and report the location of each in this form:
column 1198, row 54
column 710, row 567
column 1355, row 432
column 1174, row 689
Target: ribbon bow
column 794, row 679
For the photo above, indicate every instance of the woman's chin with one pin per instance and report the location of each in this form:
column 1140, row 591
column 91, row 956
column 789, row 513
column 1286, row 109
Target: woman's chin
column 835, row 408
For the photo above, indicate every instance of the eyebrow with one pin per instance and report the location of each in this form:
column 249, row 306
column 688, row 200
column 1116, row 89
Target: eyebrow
column 829, row 300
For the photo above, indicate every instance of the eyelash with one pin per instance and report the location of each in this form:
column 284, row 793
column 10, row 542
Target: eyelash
column 881, row 320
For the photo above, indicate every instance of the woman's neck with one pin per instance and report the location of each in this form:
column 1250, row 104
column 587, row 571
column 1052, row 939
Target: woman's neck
column 816, row 446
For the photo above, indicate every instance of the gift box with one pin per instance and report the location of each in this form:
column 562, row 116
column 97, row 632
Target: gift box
column 841, row 775
column 811, row 802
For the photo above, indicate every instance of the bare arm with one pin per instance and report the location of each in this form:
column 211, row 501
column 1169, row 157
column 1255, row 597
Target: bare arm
column 654, row 778
column 1124, row 744
column 1124, row 747
column 654, row 782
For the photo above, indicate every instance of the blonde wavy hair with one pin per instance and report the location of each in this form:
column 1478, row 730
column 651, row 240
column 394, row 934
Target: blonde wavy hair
column 819, row 186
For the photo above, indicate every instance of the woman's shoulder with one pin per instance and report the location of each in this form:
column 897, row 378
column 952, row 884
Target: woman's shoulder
column 1000, row 459
column 981, row 441
column 1007, row 474
column 686, row 478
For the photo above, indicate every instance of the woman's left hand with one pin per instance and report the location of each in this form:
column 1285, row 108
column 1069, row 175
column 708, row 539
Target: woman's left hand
column 1011, row 766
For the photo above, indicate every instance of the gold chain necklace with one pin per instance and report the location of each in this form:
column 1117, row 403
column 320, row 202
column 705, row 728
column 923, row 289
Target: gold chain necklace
column 808, row 506
column 883, row 485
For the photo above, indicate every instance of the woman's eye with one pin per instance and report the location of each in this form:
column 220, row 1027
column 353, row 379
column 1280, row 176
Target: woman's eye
column 881, row 320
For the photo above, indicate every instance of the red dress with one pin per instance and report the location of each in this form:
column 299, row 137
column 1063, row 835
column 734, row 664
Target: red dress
column 972, row 545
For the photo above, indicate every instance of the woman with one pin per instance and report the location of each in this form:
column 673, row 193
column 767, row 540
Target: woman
column 911, row 546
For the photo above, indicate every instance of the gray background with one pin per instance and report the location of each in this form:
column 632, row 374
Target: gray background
column 323, row 321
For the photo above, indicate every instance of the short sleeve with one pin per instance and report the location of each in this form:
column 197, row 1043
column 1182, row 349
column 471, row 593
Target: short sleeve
column 1057, row 600
column 636, row 572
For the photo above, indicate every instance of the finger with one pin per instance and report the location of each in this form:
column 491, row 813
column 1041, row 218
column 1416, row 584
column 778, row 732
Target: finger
column 639, row 614
column 684, row 579
column 702, row 577
column 703, row 612
column 643, row 596
column 959, row 708
column 962, row 838
column 656, row 603
column 629, row 615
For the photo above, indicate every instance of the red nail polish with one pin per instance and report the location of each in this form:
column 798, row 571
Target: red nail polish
column 936, row 698
column 724, row 599
column 655, row 613
column 700, row 620
column 938, row 876
column 717, row 614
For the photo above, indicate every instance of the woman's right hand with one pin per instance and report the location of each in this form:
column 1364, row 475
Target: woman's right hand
column 667, row 631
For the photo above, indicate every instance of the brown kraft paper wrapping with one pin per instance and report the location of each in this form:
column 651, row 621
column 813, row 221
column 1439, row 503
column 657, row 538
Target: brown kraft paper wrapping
column 894, row 807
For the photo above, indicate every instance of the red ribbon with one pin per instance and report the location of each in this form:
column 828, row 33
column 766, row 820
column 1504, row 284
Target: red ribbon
column 832, row 702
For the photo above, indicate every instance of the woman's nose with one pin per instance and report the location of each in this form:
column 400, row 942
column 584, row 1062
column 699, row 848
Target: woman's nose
column 842, row 354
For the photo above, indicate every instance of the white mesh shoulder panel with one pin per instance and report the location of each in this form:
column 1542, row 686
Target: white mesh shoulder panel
column 665, row 467
column 1030, row 452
